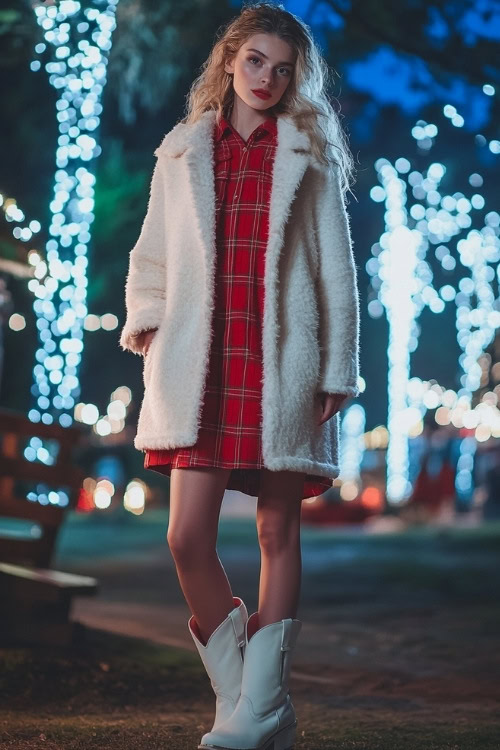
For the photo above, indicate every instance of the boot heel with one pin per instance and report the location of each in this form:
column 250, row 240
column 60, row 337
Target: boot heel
column 285, row 738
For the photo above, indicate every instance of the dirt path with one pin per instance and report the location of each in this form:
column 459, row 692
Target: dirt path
column 399, row 650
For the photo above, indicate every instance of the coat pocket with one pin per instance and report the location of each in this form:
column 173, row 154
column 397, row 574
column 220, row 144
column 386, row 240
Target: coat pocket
column 146, row 370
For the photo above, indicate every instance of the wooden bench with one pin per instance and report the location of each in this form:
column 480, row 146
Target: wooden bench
column 35, row 600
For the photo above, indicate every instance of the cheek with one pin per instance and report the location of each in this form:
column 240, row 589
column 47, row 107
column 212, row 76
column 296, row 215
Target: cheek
column 245, row 72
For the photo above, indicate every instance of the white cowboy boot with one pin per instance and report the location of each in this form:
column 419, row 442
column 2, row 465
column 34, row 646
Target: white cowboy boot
column 264, row 717
column 222, row 657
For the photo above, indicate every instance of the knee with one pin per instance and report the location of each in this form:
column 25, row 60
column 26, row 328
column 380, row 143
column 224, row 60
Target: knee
column 188, row 548
column 277, row 535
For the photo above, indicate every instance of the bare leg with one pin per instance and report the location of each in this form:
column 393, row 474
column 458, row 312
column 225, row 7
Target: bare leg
column 278, row 527
column 196, row 496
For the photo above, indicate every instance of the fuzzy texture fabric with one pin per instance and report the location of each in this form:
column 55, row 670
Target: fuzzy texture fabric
column 310, row 337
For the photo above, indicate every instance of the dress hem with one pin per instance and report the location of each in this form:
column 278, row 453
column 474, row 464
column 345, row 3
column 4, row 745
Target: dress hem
column 247, row 480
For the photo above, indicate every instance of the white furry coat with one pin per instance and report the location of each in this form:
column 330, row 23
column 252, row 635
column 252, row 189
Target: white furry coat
column 311, row 310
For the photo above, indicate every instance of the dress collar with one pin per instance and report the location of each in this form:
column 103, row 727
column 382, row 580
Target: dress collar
column 224, row 126
column 195, row 137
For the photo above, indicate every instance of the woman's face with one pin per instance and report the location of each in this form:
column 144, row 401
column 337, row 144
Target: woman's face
column 263, row 62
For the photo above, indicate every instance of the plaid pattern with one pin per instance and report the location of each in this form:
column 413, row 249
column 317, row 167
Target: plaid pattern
column 230, row 432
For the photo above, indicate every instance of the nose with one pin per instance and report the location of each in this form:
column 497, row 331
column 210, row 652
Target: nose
column 266, row 78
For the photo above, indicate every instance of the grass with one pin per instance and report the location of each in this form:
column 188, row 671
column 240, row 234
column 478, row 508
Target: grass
column 424, row 598
column 109, row 691
column 105, row 691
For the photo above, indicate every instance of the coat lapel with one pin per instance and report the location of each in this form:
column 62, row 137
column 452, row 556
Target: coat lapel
column 194, row 144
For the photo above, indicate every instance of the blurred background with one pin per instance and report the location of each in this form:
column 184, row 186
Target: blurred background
column 89, row 90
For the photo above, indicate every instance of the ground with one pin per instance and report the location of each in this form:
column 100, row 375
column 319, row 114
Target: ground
column 399, row 648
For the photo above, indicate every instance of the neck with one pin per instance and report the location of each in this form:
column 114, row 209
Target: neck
column 245, row 119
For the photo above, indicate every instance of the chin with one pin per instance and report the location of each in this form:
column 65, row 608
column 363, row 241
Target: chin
column 255, row 102
column 261, row 106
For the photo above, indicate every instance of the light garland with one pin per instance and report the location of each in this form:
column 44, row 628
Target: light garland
column 77, row 71
column 352, row 443
column 79, row 39
column 113, row 421
column 15, row 215
column 402, row 285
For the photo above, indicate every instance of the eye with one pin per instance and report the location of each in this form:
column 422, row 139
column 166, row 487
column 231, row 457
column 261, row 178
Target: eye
column 287, row 70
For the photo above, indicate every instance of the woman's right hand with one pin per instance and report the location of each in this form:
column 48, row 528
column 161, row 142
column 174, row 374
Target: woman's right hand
column 144, row 340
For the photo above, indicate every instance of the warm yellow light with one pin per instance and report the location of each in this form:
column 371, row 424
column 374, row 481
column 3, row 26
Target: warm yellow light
column 416, row 429
column 17, row 322
column 116, row 409
column 122, row 393
column 77, row 411
column 107, row 485
column 89, row 413
column 442, row 416
column 349, row 491
column 470, row 419
column 482, row 433
column 102, row 427
column 102, row 499
column 92, row 323
column 89, row 484
column 134, row 498
column 109, row 322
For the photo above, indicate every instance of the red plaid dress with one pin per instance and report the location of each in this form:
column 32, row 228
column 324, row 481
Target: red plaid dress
column 230, row 432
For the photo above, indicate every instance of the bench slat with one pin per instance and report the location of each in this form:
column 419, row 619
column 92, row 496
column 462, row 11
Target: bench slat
column 45, row 515
column 61, row 475
column 12, row 421
column 46, row 577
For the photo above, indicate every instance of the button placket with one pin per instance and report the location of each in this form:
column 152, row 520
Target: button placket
column 244, row 149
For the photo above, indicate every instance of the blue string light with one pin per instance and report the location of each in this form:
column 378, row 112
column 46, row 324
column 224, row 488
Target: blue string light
column 78, row 39
column 420, row 216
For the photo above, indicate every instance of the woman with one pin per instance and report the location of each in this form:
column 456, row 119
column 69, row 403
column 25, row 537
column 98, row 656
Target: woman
column 242, row 297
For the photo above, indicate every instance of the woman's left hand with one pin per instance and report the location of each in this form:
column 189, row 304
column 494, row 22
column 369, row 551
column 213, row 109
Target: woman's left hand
column 330, row 404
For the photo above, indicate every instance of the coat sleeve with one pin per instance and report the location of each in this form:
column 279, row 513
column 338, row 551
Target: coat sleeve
column 145, row 284
column 337, row 290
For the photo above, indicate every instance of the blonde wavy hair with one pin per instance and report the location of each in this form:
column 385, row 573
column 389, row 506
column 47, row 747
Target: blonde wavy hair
column 304, row 99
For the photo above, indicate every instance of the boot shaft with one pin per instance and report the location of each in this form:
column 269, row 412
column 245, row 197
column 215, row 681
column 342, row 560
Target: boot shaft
column 268, row 657
column 223, row 654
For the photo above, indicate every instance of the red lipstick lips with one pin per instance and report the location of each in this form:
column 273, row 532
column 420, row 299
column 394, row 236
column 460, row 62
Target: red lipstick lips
column 261, row 93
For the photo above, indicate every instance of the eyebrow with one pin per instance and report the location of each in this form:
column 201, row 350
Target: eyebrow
column 263, row 55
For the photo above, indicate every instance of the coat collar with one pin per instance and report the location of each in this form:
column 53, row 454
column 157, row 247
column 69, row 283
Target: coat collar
column 183, row 136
